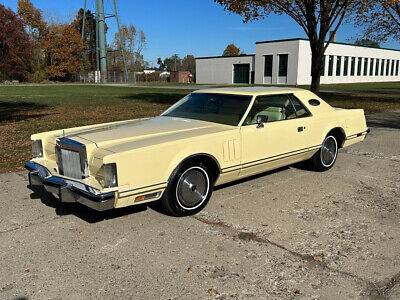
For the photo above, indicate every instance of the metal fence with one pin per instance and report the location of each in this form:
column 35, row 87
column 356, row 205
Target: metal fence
column 118, row 77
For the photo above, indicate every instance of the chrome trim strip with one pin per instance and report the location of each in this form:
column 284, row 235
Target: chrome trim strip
column 275, row 156
column 267, row 161
column 141, row 193
column 353, row 136
column 144, row 187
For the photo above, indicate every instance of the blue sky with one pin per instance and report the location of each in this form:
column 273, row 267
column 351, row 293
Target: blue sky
column 198, row 27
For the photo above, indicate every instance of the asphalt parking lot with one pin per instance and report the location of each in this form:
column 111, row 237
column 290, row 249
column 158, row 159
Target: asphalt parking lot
column 288, row 234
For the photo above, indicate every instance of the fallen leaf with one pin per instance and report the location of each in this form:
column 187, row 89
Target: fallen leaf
column 297, row 292
column 318, row 257
column 212, row 292
column 27, row 271
column 190, row 271
column 79, row 233
column 125, row 216
column 335, row 201
column 265, row 225
column 275, row 199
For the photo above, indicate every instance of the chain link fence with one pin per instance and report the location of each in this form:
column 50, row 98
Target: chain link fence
column 119, row 77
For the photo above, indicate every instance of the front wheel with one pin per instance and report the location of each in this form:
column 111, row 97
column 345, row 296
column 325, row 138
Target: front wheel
column 326, row 157
column 189, row 190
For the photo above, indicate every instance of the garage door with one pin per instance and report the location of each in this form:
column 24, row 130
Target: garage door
column 241, row 73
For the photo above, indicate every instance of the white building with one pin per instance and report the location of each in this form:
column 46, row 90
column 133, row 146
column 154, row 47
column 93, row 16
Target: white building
column 289, row 62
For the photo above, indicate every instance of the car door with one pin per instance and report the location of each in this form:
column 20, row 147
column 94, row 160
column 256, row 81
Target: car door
column 282, row 140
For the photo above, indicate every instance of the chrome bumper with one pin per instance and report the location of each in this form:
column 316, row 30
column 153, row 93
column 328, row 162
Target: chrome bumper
column 68, row 190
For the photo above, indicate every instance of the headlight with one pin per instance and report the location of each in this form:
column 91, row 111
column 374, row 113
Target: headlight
column 109, row 175
column 37, row 148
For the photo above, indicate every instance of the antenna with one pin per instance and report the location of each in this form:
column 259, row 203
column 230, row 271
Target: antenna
column 101, row 44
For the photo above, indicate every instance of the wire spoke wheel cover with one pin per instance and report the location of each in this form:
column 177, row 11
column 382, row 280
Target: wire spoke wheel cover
column 329, row 151
column 192, row 188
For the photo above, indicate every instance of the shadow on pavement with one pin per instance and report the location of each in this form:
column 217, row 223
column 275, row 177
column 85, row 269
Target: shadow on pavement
column 386, row 120
column 87, row 214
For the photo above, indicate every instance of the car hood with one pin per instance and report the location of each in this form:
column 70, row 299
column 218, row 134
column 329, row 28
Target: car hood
column 150, row 130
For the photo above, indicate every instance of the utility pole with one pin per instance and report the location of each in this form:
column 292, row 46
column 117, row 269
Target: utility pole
column 101, row 44
column 101, row 35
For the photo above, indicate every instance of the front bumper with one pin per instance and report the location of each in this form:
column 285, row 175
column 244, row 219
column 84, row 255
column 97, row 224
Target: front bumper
column 68, row 190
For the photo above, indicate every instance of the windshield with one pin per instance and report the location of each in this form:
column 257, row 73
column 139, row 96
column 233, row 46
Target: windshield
column 218, row 108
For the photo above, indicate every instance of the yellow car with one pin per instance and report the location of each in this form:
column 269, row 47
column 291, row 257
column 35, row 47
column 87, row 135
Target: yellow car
column 208, row 138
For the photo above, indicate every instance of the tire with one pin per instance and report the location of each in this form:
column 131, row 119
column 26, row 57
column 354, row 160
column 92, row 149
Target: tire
column 189, row 189
column 326, row 157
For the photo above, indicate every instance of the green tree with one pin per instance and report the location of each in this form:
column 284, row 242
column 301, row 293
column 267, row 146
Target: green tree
column 173, row 63
column 231, row 50
column 316, row 17
column 189, row 64
column 15, row 46
column 89, row 38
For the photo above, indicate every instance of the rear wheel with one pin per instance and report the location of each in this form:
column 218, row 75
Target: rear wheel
column 189, row 189
column 326, row 157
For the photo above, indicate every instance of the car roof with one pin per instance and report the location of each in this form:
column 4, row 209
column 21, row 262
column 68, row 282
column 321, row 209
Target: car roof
column 251, row 91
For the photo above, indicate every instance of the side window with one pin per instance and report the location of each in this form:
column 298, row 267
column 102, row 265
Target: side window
column 275, row 108
column 301, row 111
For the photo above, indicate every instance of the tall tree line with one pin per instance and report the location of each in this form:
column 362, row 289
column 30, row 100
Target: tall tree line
column 35, row 49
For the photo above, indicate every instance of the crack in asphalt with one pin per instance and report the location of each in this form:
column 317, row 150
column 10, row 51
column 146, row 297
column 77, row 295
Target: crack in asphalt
column 378, row 290
column 30, row 224
column 394, row 158
column 382, row 289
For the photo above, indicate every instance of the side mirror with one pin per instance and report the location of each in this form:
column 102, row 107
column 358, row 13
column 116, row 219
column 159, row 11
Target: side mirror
column 261, row 119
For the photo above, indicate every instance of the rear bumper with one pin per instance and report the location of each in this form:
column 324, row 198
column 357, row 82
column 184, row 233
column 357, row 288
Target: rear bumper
column 68, row 190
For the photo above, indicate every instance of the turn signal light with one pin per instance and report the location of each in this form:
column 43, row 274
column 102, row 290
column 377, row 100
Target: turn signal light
column 148, row 197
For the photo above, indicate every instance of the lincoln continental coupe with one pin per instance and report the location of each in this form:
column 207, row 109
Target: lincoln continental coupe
column 208, row 138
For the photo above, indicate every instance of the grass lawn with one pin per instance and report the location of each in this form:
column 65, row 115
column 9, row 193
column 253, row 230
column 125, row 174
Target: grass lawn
column 370, row 87
column 25, row 110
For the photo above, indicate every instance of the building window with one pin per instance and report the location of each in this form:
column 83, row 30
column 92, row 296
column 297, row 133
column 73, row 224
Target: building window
column 338, row 65
column 346, row 66
column 382, row 67
column 353, row 66
column 377, row 67
column 323, row 66
column 371, row 67
column 268, row 65
column 283, row 65
column 359, row 66
column 392, row 71
column 365, row 66
column 330, row 66
column 397, row 68
column 387, row 67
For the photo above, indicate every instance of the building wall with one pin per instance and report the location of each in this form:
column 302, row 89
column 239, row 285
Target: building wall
column 219, row 70
column 290, row 47
column 342, row 50
column 179, row 76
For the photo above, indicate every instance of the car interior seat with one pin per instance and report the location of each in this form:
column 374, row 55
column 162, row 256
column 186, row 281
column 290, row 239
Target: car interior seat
column 273, row 114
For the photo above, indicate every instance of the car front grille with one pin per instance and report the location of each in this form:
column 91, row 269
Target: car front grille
column 71, row 158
